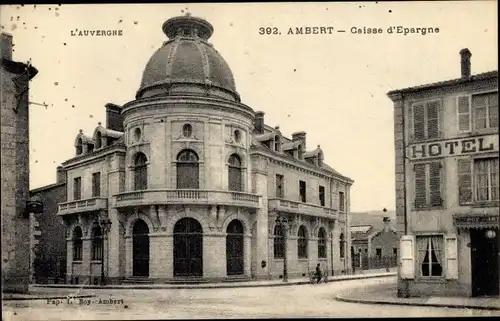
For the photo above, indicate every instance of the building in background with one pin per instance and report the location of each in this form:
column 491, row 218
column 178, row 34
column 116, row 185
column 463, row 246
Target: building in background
column 375, row 241
column 48, row 234
column 186, row 182
column 15, row 206
column 446, row 142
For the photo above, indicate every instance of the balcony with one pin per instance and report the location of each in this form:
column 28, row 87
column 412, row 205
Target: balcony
column 85, row 205
column 287, row 206
column 186, row 196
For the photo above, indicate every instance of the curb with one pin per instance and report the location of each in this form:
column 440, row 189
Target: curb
column 49, row 297
column 215, row 286
column 442, row 305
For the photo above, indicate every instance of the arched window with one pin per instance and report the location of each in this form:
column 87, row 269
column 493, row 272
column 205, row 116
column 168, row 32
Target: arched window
column 302, row 242
column 234, row 172
column 277, row 143
column 301, row 152
column 79, row 147
column 187, row 130
column 341, row 245
column 97, row 243
column 98, row 140
column 279, row 242
column 140, row 172
column 77, row 244
column 321, row 243
column 188, row 170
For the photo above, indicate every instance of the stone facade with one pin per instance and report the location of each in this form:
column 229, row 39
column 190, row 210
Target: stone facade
column 48, row 233
column 190, row 182
column 15, row 77
column 447, row 185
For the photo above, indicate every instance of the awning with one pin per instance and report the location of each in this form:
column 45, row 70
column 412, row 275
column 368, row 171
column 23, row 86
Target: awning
column 476, row 221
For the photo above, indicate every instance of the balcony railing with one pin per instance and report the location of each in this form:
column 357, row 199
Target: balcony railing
column 186, row 196
column 287, row 206
column 85, row 205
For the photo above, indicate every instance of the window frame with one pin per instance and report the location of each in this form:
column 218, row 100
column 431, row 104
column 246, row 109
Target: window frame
column 97, row 250
column 302, row 196
column 96, row 184
column 144, row 169
column 278, row 242
column 471, row 111
column 77, row 192
column 473, row 181
column 418, row 268
column 280, row 178
column 425, row 103
column 322, row 243
column 428, row 205
column 302, row 243
column 341, row 201
column 77, row 242
column 196, row 165
column 321, row 195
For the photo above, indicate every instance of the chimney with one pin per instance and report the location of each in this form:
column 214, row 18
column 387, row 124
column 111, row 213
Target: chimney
column 259, row 122
column 114, row 120
column 465, row 55
column 6, row 45
column 387, row 224
column 300, row 136
column 61, row 175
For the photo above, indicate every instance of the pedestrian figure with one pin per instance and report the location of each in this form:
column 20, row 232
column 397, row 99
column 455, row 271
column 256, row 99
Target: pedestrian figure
column 318, row 273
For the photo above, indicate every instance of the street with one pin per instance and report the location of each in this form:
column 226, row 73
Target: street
column 260, row 302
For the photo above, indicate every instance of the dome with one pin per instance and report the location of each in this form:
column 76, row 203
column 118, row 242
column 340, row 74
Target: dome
column 187, row 64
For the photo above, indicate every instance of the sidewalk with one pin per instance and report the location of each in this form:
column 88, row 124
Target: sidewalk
column 386, row 294
column 245, row 284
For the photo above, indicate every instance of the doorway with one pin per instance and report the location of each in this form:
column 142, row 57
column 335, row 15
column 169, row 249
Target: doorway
column 140, row 250
column 235, row 249
column 188, row 248
column 484, row 263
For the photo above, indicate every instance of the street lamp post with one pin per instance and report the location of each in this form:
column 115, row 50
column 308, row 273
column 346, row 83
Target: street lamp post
column 105, row 224
column 283, row 223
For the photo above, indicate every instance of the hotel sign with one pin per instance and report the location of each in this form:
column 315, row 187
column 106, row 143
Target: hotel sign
column 453, row 147
column 476, row 221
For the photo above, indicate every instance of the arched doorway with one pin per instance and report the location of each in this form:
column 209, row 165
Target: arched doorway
column 140, row 249
column 235, row 248
column 188, row 248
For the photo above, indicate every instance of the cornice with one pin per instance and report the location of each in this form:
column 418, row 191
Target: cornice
column 93, row 156
column 258, row 150
column 153, row 102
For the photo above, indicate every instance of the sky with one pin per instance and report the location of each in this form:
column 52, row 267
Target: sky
column 332, row 86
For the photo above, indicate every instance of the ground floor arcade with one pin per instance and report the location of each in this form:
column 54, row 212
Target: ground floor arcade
column 171, row 243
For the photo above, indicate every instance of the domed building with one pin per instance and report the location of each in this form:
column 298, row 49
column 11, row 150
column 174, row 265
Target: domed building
column 187, row 183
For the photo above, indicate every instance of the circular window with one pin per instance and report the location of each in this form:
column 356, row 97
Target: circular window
column 137, row 134
column 187, row 130
column 237, row 136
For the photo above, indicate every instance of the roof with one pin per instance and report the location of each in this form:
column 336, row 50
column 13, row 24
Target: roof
column 364, row 223
column 447, row 83
column 46, row 187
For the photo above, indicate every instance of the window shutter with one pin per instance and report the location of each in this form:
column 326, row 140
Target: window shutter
column 451, row 250
column 464, row 114
column 420, row 186
column 435, row 183
column 407, row 257
column 433, row 119
column 419, row 121
column 464, row 181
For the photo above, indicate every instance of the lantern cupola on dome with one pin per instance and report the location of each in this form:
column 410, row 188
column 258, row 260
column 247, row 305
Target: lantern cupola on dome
column 187, row 64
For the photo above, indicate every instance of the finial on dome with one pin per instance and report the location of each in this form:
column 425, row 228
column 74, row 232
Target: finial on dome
column 81, row 131
column 187, row 26
column 319, row 146
column 99, row 123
